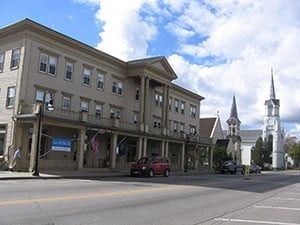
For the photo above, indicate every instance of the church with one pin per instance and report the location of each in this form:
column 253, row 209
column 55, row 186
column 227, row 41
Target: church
column 242, row 142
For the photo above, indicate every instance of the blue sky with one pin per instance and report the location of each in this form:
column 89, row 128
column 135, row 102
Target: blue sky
column 217, row 48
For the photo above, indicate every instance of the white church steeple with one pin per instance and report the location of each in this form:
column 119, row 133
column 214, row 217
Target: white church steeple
column 272, row 129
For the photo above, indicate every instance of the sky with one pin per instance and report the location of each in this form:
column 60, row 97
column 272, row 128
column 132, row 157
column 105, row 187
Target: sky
column 218, row 48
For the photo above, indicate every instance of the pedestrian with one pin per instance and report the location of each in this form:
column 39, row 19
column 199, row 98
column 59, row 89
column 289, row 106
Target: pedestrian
column 15, row 165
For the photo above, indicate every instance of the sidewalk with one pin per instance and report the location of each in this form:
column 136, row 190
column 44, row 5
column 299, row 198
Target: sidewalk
column 85, row 174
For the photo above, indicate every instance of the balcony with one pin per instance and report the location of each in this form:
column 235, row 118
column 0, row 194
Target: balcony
column 30, row 111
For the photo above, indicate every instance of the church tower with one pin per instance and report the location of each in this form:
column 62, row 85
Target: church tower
column 271, row 130
column 233, row 133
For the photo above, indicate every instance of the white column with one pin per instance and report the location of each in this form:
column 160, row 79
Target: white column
column 146, row 111
column 113, row 150
column 142, row 105
column 140, row 147
column 182, row 155
column 145, row 146
column 81, row 148
column 33, row 146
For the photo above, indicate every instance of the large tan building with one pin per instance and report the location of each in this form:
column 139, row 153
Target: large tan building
column 107, row 112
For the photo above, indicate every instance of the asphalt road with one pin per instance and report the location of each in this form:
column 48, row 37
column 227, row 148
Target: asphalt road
column 268, row 198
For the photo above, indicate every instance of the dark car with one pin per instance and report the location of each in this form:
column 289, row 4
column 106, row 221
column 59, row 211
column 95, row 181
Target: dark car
column 254, row 168
column 232, row 166
column 150, row 166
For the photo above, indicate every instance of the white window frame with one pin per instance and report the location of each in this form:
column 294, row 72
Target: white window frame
column 117, row 87
column 69, row 70
column 1, row 62
column 115, row 113
column 98, row 109
column 181, row 127
column 15, row 58
column 84, row 106
column 135, row 117
column 182, row 108
column 120, row 88
column 193, row 111
column 87, row 73
column 176, row 105
column 175, row 124
column 49, row 63
column 52, row 65
column 100, row 81
column 10, row 100
column 170, row 103
column 158, row 99
column 43, row 61
column 66, row 103
column 114, row 87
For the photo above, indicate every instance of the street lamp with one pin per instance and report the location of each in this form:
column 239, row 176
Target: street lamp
column 43, row 106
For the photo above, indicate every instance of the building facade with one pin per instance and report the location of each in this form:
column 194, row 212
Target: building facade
column 107, row 112
column 272, row 133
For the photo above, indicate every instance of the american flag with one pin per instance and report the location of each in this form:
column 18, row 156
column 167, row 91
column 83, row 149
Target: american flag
column 95, row 145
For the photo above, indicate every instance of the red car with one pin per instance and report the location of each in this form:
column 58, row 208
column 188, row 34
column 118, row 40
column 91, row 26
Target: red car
column 150, row 166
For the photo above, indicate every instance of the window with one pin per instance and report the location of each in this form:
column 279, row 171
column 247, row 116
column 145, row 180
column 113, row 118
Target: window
column 115, row 113
column 43, row 63
column 114, row 87
column 100, row 81
column 193, row 111
column 176, row 105
column 66, row 103
column 52, row 65
column 10, row 96
column 175, row 126
column 156, row 122
column 135, row 117
column 137, row 93
column 117, row 87
column 84, row 106
column 2, row 138
column 48, row 64
column 182, row 106
column 39, row 95
column 1, row 62
column 192, row 129
column 170, row 103
column 158, row 99
column 87, row 76
column 120, row 88
column 181, row 127
column 15, row 58
column 98, row 109
column 69, row 70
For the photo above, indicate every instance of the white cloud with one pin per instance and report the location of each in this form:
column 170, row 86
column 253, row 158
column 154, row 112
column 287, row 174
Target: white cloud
column 224, row 48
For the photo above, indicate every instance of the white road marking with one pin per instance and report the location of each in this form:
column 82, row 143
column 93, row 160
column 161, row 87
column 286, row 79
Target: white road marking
column 276, row 207
column 255, row 221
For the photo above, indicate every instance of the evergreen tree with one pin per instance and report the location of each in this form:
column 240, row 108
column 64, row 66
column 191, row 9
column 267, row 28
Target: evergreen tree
column 219, row 156
column 267, row 150
column 257, row 153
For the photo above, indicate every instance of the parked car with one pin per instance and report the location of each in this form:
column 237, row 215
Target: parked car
column 232, row 166
column 254, row 168
column 150, row 166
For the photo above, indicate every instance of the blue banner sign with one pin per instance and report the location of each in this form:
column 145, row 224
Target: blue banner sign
column 61, row 144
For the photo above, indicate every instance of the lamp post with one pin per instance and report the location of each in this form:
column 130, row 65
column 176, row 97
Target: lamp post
column 42, row 107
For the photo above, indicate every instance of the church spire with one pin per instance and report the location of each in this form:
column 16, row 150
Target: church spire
column 272, row 89
column 233, row 112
